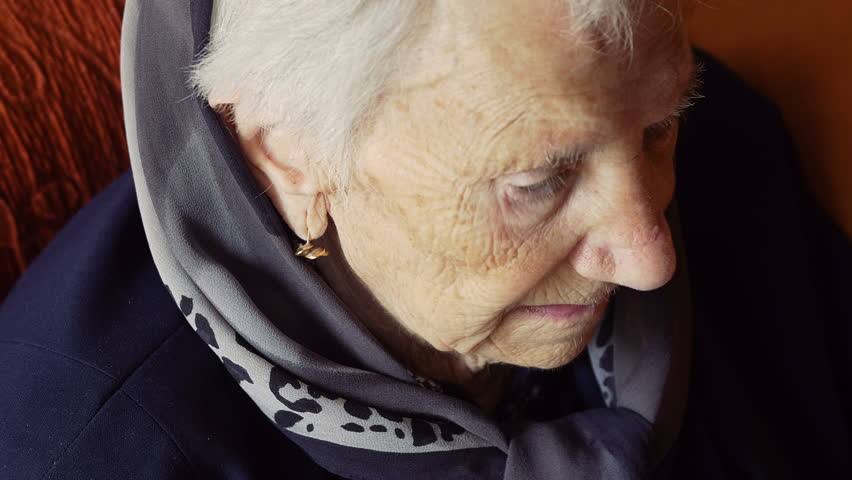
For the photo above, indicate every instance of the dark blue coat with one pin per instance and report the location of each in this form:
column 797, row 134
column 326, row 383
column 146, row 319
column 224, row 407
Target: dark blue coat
column 101, row 377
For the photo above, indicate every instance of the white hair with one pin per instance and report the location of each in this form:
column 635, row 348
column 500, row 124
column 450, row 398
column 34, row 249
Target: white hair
column 317, row 68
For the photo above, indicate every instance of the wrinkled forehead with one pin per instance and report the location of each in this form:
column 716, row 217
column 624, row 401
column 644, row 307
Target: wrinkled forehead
column 528, row 41
column 511, row 76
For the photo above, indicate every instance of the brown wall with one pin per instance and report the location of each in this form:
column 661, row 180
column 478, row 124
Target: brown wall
column 799, row 53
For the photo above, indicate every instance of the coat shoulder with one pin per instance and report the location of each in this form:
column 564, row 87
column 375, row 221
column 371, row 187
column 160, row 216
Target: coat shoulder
column 104, row 377
column 78, row 324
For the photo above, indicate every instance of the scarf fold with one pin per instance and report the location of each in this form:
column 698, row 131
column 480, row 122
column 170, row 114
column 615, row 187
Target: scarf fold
column 310, row 365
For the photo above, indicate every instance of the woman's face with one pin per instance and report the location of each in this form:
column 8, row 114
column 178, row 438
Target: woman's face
column 512, row 166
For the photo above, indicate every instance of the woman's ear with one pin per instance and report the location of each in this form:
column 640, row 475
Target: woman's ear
column 283, row 169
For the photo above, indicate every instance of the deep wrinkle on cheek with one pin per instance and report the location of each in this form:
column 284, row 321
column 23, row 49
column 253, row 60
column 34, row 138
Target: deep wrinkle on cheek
column 529, row 243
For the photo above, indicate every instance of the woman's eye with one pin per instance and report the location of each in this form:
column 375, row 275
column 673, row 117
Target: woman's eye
column 661, row 130
column 545, row 189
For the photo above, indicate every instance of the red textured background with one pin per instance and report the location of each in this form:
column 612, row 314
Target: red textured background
column 61, row 127
column 62, row 135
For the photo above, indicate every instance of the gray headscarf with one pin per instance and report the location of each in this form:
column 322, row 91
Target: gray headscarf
column 305, row 360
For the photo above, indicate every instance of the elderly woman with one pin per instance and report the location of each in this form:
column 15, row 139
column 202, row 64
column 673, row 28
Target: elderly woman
column 433, row 240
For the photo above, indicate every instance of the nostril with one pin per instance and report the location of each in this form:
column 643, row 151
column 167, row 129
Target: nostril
column 594, row 262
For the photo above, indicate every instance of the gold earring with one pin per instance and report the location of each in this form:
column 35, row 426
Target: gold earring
column 309, row 251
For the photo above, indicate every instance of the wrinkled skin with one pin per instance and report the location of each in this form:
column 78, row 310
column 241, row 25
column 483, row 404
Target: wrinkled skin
column 438, row 240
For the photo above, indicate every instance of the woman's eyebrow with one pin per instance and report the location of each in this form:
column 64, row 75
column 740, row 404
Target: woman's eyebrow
column 565, row 156
column 558, row 156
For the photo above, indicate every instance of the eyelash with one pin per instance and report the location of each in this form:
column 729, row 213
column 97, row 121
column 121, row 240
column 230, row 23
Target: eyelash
column 661, row 129
column 547, row 188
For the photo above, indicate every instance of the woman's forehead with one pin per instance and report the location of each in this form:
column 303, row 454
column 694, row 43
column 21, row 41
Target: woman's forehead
column 514, row 45
column 511, row 85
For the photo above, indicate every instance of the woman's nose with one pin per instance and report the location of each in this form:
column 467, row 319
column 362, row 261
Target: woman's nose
column 643, row 262
column 632, row 244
